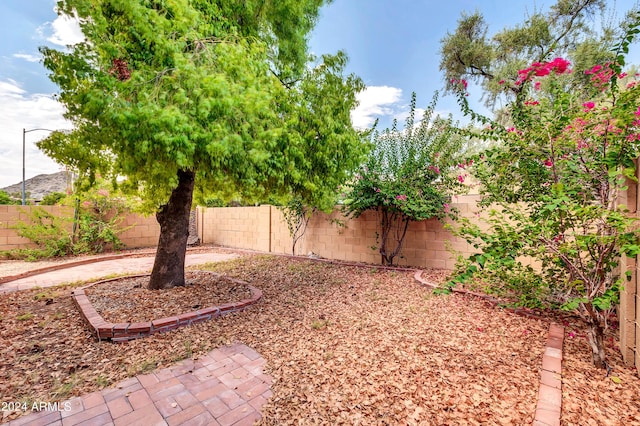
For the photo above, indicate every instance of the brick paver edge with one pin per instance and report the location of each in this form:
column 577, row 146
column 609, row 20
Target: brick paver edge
column 121, row 332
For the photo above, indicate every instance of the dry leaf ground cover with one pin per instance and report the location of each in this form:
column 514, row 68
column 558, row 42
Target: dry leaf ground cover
column 345, row 345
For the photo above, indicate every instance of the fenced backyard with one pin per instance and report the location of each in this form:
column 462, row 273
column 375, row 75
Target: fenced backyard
column 331, row 236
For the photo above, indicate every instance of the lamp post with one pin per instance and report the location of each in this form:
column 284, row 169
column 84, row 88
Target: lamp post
column 24, row 133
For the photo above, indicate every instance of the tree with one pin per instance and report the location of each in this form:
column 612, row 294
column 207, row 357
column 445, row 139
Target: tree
column 5, row 198
column 552, row 193
column 406, row 177
column 209, row 95
column 470, row 54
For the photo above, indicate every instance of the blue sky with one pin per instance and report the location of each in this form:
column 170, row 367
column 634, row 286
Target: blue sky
column 393, row 46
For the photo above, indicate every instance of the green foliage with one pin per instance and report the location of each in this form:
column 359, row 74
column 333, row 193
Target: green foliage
column 96, row 225
column 48, row 232
column 407, row 177
column 552, row 193
column 213, row 202
column 493, row 61
column 52, row 198
column 216, row 98
column 219, row 88
column 5, row 198
column 100, row 215
column 297, row 215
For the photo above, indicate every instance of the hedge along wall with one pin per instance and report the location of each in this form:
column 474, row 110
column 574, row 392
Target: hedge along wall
column 140, row 231
column 332, row 235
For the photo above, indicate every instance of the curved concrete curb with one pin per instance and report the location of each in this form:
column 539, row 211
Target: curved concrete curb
column 71, row 264
column 122, row 332
column 98, row 258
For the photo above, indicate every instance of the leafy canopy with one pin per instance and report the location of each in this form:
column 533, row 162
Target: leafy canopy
column 215, row 87
column 568, row 29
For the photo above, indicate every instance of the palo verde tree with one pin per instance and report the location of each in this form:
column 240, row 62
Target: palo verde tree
column 407, row 177
column 567, row 29
column 177, row 95
column 552, row 193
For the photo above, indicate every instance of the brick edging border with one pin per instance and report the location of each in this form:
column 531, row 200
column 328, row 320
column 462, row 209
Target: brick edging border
column 549, row 406
column 122, row 332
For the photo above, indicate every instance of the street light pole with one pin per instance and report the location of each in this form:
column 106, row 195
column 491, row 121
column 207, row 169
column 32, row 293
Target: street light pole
column 24, row 133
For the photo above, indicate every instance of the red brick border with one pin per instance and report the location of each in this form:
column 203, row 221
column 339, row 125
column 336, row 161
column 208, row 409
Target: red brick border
column 549, row 408
column 122, row 332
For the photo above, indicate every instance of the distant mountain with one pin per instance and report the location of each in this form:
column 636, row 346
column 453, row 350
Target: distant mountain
column 41, row 185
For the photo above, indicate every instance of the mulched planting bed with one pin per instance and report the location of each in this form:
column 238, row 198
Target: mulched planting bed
column 344, row 345
column 594, row 396
column 202, row 289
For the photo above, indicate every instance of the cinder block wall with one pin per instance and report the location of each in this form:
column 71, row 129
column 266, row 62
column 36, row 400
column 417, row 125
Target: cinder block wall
column 239, row 227
column 332, row 236
column 11, row 215
column 140, row 231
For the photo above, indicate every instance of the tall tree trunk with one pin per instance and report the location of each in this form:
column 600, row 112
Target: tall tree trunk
column 173, row 217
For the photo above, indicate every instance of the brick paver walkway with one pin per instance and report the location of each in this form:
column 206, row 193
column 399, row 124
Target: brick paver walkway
column 102, row 269
column 225, row 387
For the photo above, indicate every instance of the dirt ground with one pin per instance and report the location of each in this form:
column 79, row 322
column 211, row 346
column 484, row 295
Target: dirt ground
column 345, row 345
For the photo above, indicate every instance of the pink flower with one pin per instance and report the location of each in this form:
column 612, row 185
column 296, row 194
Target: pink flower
column 103, row 192
column 460, row 178
column 594, row 70
column 536, row 85
column 401, row 197
column 548, row 162
column 447, row 207
column 588, row 106
column 377, row 189
column 637, row 112
column 560, row 65
column 542, row 71
column 531, row 103
column 501, row 82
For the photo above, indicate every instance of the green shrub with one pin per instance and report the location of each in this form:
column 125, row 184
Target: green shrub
column 52, row 198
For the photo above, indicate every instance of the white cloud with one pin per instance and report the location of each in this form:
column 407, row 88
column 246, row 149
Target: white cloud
column 66, row 31
column 21, row 110
column 27, row 57
column 375, row 102
column 404, row 114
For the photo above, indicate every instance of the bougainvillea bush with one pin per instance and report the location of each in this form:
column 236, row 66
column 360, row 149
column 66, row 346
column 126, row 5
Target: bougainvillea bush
column 553, row 193
column 407, row 177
